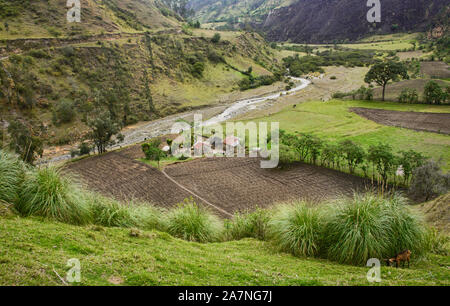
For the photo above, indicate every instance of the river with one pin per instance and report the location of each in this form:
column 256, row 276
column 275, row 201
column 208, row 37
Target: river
column 163, row 126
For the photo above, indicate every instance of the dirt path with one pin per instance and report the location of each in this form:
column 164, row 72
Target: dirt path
column 197, row 196
column 426, row 122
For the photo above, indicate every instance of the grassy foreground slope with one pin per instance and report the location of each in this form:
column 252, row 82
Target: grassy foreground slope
column 32, row 251
column 333, row 121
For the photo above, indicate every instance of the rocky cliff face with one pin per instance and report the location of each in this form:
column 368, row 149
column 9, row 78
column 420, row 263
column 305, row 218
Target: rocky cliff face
column 316, row 21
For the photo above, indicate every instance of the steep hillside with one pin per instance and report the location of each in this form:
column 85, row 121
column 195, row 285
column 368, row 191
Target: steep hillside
column 136, row 77
column 318, row 21
column 234, row 11
column 48, row 18
column 334, row 20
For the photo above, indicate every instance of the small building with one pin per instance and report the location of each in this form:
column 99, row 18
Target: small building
column 201, row 148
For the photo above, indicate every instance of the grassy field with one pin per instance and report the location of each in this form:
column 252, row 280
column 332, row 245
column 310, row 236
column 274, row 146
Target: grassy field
column 33, row 252
column 333, row 121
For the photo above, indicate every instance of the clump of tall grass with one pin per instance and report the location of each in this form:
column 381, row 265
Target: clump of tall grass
column 357, row 229
column 112, row 213
column 297, row 229
column 407, row 230
column 12, row 174
column 191, row 222
column 437, row 243
column 369, row 226
column 248, row 225
column 49, row 194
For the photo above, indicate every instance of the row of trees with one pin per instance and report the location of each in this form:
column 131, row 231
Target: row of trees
column 379, row 162
column 432, row 94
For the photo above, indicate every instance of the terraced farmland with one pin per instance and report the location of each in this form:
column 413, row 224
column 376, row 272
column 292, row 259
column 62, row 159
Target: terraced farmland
column 230, row 184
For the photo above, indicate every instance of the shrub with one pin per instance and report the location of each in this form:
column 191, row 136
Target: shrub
column 12, row 174
column 356, row 230
column 64, row 112
column 429, row 181
column 248, row 225
column 48, row 194
column 297, row 229
column 408, row 95
column 193, row 223
column 433, row 93
column 370, row 226
column 216, row 38
column 197, row 70
column 84, row 149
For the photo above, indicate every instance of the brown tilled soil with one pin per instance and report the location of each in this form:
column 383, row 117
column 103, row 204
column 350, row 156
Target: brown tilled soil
column 429, row 122
column 232, row 184
column 435, row 69
column 119, row 175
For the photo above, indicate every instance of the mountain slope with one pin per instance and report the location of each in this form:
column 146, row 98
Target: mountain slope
column 320, row 20
column 235, row 10
column 44, row 18
column 331, row 20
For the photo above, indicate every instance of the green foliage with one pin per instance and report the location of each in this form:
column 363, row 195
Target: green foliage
column 410, row 160
column 216, row 38
column 152, row 151
column 64, row 112
column 382, row 157
column 409, row 95
column 248, row 225
column 12, row 175
column 193, row 223
column 428, row 181
column 252, row 82
column 297, row 229
column 48, row 194
column 197, row 70
column 385, row 72
column 353, row 153
column 102, row 129
column 433, row 93
column 25, row 141
column 215, row 57
column 299, row 66
column 84, row 149
column 111, row 213
column 368, row 226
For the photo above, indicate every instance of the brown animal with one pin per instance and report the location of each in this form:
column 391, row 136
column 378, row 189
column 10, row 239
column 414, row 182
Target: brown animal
column 404, row 256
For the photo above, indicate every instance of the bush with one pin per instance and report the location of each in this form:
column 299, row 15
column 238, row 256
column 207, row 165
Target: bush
column 409, row 95
column 192, row 223
column 297, row 229
column 428, row 181
column 64, row 112
column 48, row 194
column 433, row 93
column 216, row 38
column 370, row 226
column 248, row 225
column 12, row 175
column 84, row 149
